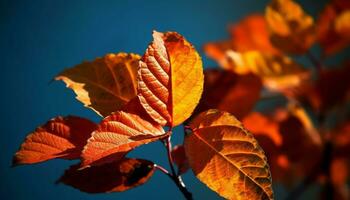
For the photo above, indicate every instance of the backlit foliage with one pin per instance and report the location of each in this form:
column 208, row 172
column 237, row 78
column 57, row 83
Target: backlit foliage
column 237, row 138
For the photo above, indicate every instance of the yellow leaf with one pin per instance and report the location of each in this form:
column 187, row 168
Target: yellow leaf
column 170, row 79
column 105, row 84
column 227, row 158
column 277, row 72
column 292, row 30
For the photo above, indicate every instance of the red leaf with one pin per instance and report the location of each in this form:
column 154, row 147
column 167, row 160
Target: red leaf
column 332, row 88
column 112, row 177
column 180, row 159
column 61, row 137
column 229, row 92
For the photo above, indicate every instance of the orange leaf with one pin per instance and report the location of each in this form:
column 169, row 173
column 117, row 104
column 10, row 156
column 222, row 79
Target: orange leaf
column 251, row 33
column 333, row 27
column 61, row 137
column 170, row 79
column 105, row 84
column 217, row 51
column 180, row 159
column 278, row 72
column 292, row 30
column 227, row 158
column 118, row 134
column 266, row 131
column 229, row 92
column 259, row 124
column 112, row 177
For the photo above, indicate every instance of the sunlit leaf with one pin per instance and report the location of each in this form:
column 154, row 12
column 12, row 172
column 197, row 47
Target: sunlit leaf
column 266, row 131
column 61, row 137
column 105, row 84
column 170, row 79
column 227, row 158
column 333, row 27
column 179, row 156
column 279, row 73
column 118, row 134
column 292, row 30
column 228, row 91
column 112, row 177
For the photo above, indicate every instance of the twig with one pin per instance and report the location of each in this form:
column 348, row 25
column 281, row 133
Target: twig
column 160, row 168
column 318, row 65
column 168, row 146
column 173, row 175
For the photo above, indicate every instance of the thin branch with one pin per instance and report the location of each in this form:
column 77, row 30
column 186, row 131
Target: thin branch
column 317, row 64
column 168, row 146
column 173, row 175
column 162, row 169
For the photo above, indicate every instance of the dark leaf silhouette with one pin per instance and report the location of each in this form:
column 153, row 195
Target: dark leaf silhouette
column 112, row 177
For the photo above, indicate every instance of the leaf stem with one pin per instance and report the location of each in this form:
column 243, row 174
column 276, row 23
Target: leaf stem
column 168, row 146
column 162, row 169
column 175, row 177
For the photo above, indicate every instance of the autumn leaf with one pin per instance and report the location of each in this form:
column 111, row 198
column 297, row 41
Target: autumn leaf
column 105, row 84
column 61, row 137
column 266, row 131
column 279, row 73
column 291, row 29
column 227, row 158
column 179, row 157
column 333, row 27
column 217, row 51
column 112, row 177
column 252, row 34
column 118, row 134
column 294, row 132
column 228, row 91
column 170, row 79
column 330, row 90
column 259, row 124
column 249, row 34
